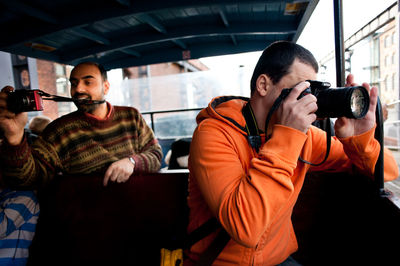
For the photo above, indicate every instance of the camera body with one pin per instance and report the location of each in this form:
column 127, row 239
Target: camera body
column 351, row 102
column 24, row 101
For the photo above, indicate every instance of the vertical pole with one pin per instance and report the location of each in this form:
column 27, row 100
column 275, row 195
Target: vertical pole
column 340, row 81
column 379, row 170
column 398, row 59
column 152, row 122
column 339, row 42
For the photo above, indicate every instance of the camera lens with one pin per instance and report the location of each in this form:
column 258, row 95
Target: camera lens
column 351, row 102
column 359, row 102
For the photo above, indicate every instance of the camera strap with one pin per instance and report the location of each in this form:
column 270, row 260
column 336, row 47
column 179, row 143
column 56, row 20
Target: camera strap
column 253, row 134
column 56, row 98
column 327, row 129
column 277, row 103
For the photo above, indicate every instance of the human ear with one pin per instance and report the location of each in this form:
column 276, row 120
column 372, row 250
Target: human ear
column 263, row 84
column 106, row 86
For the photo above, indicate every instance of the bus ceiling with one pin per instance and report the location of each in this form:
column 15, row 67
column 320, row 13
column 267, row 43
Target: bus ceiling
column 124, row 33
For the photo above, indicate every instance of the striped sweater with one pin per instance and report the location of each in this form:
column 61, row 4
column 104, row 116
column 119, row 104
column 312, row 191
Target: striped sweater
column 19, row 212
column 79, row 143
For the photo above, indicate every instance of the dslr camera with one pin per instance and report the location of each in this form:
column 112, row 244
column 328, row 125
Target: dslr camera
column 351, row 102
column 24, row 101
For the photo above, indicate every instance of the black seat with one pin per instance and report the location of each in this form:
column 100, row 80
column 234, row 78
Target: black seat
column 82, row 222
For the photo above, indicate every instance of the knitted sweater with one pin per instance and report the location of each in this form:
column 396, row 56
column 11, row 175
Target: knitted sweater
column 79, row 143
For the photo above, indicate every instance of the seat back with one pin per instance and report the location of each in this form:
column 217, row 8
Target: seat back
column 124, row 223
column 340, row 219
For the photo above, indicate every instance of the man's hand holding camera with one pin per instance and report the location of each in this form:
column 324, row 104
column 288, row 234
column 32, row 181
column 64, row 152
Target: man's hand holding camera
column 12, row 124
column 353, row 105
column 345, row 127
column 298, row 113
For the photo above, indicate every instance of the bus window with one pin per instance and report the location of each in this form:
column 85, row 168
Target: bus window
column 178, row 94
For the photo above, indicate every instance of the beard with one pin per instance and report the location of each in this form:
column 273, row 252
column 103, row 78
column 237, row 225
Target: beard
column 82, row 105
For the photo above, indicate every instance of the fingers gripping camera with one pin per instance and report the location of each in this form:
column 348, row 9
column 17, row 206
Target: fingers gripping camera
column 351, row 102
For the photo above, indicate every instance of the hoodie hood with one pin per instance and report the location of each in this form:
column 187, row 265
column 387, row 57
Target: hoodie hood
column 227, row 109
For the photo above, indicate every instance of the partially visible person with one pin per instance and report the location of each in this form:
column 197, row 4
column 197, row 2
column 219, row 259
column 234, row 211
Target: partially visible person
column 35, row 126
column 19, row 211
column 98, row 138
column 177, row 157
column 38, row 123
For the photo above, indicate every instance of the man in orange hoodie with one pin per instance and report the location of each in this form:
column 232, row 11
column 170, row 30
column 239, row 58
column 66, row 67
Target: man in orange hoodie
column 252, row 189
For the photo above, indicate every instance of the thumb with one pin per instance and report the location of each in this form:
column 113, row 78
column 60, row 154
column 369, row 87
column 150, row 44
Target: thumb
column 373, row 97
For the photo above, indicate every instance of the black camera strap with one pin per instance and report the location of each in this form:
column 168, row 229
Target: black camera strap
column 275, row 105
column 216, row 246
column 56, row 98
column 253, row 134
column 327, row 129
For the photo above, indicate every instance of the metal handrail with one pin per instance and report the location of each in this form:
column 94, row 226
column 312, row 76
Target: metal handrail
column 392, row 122
column 151, row 113
column 393, row 103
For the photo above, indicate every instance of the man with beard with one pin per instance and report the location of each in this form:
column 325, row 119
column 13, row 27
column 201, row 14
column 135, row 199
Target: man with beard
column 97, row 138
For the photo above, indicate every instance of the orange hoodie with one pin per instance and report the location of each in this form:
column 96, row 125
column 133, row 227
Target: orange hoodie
column 253, row 194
